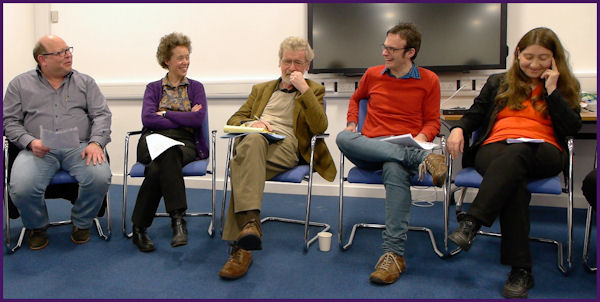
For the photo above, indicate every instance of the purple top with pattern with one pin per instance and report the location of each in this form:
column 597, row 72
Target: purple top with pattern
column 176, row 119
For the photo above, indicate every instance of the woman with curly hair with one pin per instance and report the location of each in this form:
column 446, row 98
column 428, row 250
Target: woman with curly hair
column 175, row 107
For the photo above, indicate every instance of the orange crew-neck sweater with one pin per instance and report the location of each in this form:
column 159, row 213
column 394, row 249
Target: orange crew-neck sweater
column 398, row 106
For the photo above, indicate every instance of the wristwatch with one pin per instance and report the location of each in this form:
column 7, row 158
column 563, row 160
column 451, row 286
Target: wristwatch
column 164, row 113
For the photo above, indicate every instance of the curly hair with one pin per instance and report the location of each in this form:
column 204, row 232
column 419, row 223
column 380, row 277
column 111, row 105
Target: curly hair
column 515, row 87
column 296, row 43
column 166, row 45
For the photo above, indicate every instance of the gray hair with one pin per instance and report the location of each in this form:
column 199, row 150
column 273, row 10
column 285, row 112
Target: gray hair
column 296, row 43
column 166, row 45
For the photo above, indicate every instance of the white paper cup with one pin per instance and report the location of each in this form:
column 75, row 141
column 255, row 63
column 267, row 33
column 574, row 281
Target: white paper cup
column 324, row 241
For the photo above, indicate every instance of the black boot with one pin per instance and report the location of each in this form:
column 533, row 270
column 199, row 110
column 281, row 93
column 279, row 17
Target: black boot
column 465, row 233
column 178, row 225
column 142, row 240
column 519, row 281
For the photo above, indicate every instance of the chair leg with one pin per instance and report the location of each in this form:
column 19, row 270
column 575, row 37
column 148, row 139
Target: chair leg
column 586, row 242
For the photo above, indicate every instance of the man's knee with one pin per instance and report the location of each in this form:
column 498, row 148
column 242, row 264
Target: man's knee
column 343, row 139
column 98, row 176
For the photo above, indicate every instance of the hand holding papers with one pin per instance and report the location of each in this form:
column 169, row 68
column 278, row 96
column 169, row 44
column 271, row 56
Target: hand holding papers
column 157, row 144
column 62, row 139
column 409, row 141
column 236, row 130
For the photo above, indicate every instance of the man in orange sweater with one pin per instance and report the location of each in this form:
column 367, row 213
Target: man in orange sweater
column 402, row 98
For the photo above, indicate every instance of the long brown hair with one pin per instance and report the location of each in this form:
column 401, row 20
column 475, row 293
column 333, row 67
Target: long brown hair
column 515, row 88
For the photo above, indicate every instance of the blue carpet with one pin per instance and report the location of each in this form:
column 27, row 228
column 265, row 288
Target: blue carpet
column 115, row 269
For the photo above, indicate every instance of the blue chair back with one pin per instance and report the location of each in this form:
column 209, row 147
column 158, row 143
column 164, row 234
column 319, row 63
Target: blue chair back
column 362, row 113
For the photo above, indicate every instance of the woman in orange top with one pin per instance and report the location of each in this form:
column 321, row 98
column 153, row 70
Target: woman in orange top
column 537, row 98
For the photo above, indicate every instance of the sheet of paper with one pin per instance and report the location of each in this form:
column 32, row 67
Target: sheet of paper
column 242, row 129
column 524, row 140
column 62, row 139
column 271, row 137
column 157, row 144
column 409, row 141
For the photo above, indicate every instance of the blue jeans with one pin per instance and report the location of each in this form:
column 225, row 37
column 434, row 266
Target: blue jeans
column 399, row 163
column 31, row 175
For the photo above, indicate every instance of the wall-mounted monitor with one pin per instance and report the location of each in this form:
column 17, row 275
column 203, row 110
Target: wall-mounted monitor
column 455, row 36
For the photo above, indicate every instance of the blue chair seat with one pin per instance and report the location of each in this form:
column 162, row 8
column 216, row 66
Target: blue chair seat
column 62, row 177
column 295, row 175
column 195, row 168
column 357, row 175
column 469, row 177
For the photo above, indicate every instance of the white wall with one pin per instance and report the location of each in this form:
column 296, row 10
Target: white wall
column 234, row 46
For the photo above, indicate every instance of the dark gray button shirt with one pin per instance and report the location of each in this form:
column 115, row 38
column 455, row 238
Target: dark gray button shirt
column 31, row 102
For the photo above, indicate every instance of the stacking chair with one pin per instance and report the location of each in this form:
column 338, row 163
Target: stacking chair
column 195, row 168
column 302, row 172
column 358, row 175
column 470, row 178
column 62, row 185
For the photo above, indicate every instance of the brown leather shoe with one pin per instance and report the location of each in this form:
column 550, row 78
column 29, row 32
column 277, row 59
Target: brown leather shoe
column 237, row 265
column 80, row 236
column 37, row 239
column 388, row 269
column 249, row 237
column 434, row 164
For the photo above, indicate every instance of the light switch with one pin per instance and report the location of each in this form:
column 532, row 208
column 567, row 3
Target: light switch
column 54, row 16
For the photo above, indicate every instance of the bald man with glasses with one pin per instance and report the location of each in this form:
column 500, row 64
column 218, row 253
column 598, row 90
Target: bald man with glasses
column 54, row 97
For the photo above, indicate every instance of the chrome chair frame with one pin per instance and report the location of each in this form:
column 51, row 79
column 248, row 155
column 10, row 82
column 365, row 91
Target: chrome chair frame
column 428, row 182
column 127, row 172
column 308, row 177
column 61, row 176
column 588, row 231
column 345, row 246
column 568, row 189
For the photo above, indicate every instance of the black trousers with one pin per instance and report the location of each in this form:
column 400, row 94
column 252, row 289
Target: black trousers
column 163, row 177
column 506, row 168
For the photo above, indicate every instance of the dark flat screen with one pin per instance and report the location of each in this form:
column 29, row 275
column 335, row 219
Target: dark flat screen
column 455, row 36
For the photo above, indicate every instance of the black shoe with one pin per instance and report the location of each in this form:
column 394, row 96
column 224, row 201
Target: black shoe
column 180, row 236
column 142, row 240
column 519, row 281
column 465, row 233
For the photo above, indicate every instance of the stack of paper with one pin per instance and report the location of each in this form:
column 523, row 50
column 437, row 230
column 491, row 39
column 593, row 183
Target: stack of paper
column 409, row 141
column 243, row 129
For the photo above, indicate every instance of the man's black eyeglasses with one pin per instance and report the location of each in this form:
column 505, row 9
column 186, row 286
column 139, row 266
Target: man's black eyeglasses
column 60, row 52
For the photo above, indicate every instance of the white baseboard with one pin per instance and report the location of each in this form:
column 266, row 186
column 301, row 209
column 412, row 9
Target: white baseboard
column 361, row 190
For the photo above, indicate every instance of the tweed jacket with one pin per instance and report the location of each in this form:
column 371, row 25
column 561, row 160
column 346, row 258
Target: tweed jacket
column 309, row 119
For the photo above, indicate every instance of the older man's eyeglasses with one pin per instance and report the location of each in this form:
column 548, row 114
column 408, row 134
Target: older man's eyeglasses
column 61, row 53
column 288, row 62
column 390, row 49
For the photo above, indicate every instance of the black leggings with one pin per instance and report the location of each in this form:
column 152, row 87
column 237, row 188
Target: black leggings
column 163, row 177
column 506, row 168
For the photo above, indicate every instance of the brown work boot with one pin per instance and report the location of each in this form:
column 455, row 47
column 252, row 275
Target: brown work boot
column 80, row 236
column 249, row 237
column 388, row 269
column 37, row 239
column 434, row 164
column 237, row 265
